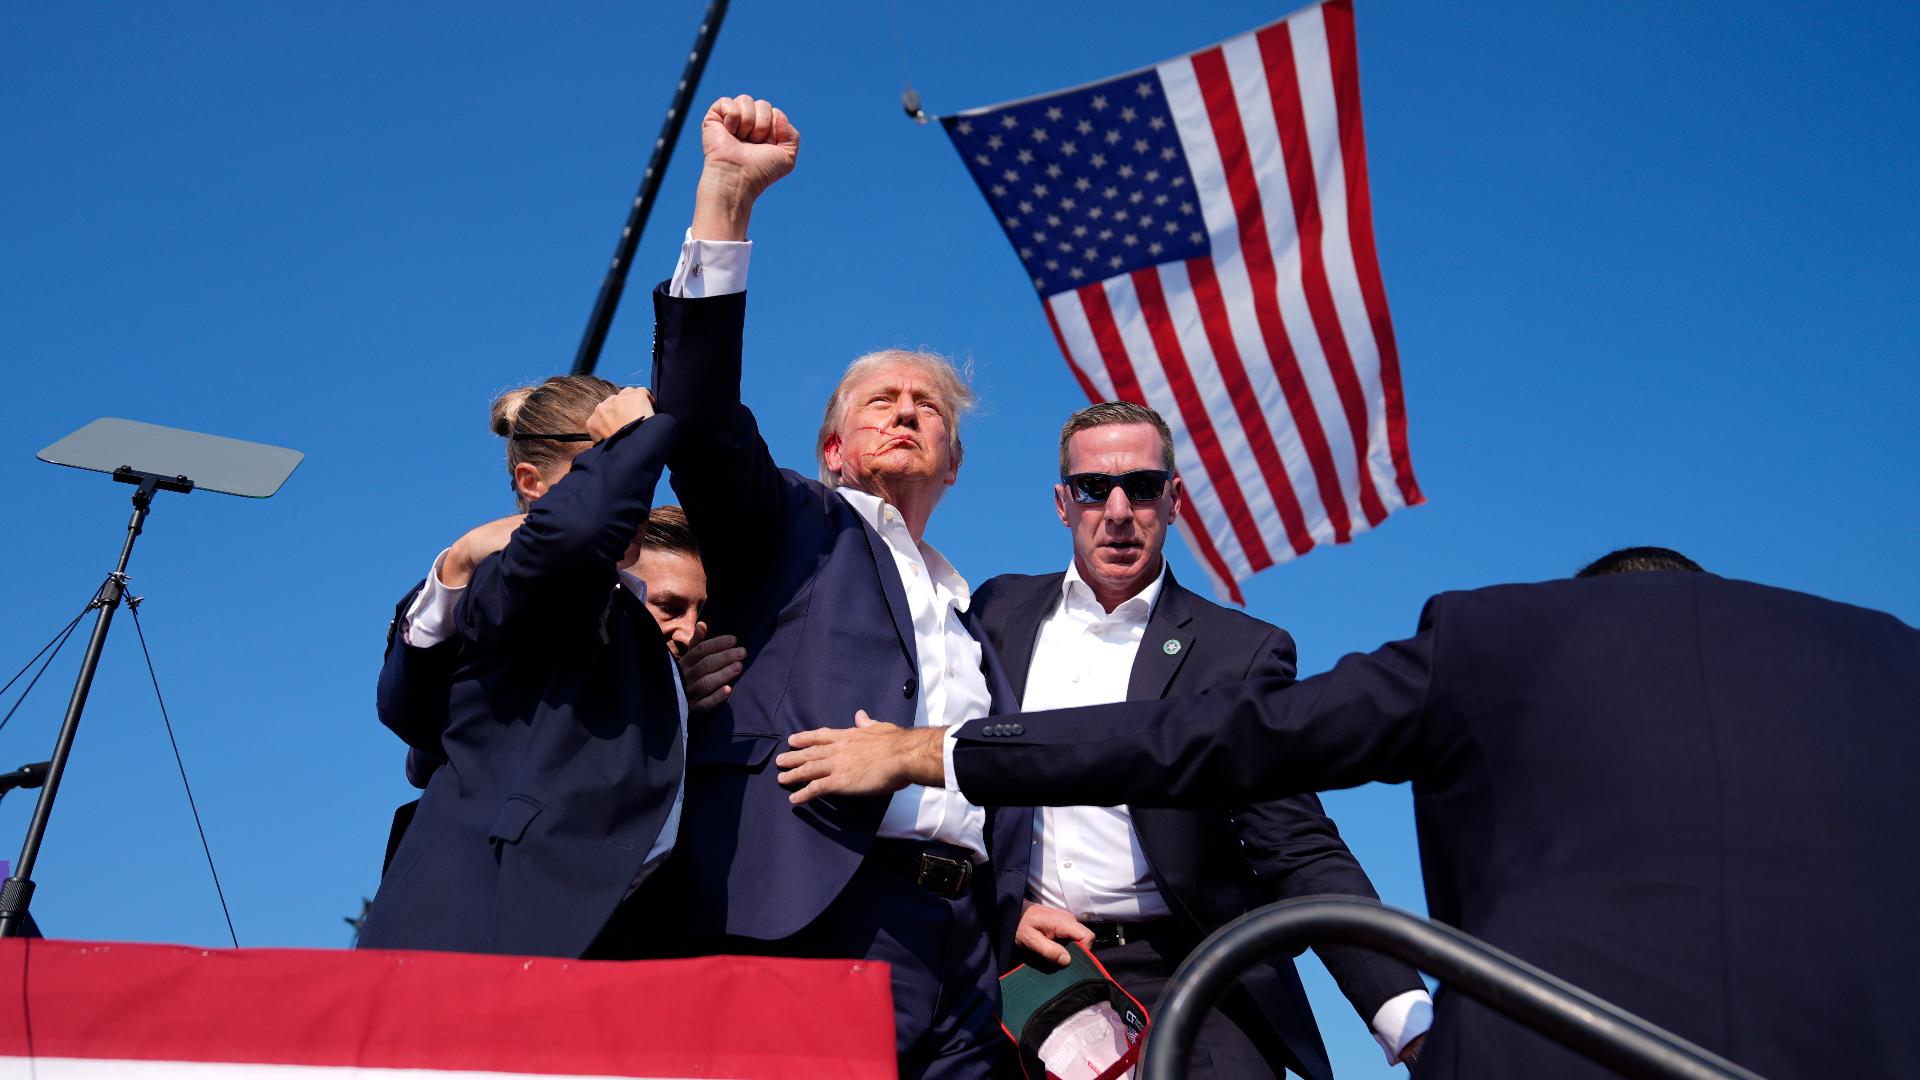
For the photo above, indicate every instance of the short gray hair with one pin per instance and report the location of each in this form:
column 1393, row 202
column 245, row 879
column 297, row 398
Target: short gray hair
column 1115, row 412
column 949, row 381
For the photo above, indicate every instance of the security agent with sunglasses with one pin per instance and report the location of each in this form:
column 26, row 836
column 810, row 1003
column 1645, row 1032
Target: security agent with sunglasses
column 1144, row 886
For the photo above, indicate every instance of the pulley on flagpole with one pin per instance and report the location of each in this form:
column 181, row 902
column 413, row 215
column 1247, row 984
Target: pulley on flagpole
column 909, row 97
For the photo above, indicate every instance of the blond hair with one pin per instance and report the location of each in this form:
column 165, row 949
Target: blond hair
column 560, row 405
column 950, row 383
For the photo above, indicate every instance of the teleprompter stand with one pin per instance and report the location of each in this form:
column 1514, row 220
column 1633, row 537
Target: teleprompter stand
column 169, row 459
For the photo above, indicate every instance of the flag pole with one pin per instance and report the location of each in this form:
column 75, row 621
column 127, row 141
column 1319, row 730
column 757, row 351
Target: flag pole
column 615, row 282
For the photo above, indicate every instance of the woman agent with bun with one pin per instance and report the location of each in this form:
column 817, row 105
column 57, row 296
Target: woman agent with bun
column 565, row 726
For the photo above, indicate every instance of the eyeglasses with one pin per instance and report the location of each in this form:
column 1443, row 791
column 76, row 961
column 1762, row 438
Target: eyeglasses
column 1141, row 486
column 565, row 436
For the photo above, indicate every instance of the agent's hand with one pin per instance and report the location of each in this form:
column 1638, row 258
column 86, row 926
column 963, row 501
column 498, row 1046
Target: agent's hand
column 456, row 567
column 708, row 669
column 870, row 758
column 1042, row 928
column 619, row 410
column 1411, row 1052
column 749, row 145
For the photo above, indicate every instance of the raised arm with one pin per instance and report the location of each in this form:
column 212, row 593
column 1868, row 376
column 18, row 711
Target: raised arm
column 723, row 473
column 557, row 569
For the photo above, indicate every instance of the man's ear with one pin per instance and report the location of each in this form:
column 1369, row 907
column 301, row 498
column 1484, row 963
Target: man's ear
column 1060, row 504
column 1179, row 500
column 830, row 453
column 528, row 482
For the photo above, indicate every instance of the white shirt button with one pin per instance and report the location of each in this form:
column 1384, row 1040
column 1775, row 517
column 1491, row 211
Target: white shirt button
column 1068, row 863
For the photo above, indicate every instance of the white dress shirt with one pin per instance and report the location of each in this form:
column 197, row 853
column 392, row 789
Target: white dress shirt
column 1087, row 860
column 952, row 687
column 429, row 621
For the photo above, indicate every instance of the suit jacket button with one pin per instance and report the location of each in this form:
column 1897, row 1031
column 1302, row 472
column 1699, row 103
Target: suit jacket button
column 907, row 688
column 1016, row 729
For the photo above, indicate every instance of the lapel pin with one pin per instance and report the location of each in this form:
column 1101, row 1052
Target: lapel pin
column 1172, row 647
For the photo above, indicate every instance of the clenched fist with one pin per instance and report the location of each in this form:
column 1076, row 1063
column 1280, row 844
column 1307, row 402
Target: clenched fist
column 749, row 146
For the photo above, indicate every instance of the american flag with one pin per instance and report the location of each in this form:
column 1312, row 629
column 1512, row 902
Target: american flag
column 1201, row 237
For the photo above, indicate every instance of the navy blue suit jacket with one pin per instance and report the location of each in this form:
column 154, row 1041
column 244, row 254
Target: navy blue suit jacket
column 814, row 596
column 1215, row 863
column 1690, row 795
column 561, row 730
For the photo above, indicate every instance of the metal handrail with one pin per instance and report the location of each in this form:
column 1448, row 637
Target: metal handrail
column 1555, row 1008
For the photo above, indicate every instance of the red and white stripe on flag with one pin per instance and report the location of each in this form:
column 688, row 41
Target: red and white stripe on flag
column 1201, row 236
column 94, row 1011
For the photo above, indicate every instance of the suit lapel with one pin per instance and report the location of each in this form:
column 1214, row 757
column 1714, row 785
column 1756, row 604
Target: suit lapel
column 1166, row 645
column 1023, row 631
column 890, row 584
column 1000, row 692
column 1166, row 836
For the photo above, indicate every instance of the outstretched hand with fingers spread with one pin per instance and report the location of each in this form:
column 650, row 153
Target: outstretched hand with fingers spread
column 870, row 758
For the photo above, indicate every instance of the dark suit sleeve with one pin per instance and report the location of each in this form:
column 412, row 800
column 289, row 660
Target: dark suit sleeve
column 1295, row 850
column 558, row 568
column 411, row 697
column 723, row 473
column 1262, row 739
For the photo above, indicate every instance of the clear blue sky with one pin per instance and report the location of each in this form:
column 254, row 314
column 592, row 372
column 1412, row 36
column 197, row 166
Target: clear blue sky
column 1652, row 268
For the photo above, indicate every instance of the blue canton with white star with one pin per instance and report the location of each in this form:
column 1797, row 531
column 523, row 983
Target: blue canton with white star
column 1088, row 184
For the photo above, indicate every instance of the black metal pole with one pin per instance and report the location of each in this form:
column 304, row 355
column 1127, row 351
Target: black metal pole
column 615, row 282
column 17, row 892
column 1559, row 1010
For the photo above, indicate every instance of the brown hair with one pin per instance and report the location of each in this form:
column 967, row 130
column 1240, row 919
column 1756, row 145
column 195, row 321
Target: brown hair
column 557, row 406
column 950, row 381
column 1115, row 412
column 667, row 530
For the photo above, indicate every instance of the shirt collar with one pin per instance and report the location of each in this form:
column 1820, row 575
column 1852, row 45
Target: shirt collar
column 887, row 520
column 1140, row 603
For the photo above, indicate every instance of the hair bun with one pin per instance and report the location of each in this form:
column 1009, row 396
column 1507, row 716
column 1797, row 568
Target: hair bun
column 506, row 409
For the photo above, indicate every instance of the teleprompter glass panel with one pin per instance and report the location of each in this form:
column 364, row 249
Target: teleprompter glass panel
column 213, row 462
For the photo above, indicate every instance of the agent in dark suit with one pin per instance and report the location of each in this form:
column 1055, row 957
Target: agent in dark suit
column 840, row 603
column 416, row 676
column 1144, row 885
column 1687, row 794
column 563, row 729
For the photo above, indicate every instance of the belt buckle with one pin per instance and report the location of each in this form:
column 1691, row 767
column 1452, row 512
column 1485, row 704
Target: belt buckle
column 943, row 876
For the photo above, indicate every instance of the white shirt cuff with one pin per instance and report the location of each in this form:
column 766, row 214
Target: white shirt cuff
column 1400, row 1020
column 429, row 619
column 710, row 267
column 947, row 742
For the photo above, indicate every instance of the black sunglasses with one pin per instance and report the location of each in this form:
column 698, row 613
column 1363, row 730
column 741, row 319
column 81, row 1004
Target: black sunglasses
column 1141, row 486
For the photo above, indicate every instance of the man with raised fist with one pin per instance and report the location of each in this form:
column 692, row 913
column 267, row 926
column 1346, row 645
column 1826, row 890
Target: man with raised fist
column 840, row 603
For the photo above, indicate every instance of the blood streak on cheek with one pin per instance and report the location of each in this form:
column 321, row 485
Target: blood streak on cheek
column 893, row 441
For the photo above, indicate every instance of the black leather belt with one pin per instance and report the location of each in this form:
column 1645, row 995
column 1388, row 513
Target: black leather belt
column 944, row 870
column 1106, row 934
